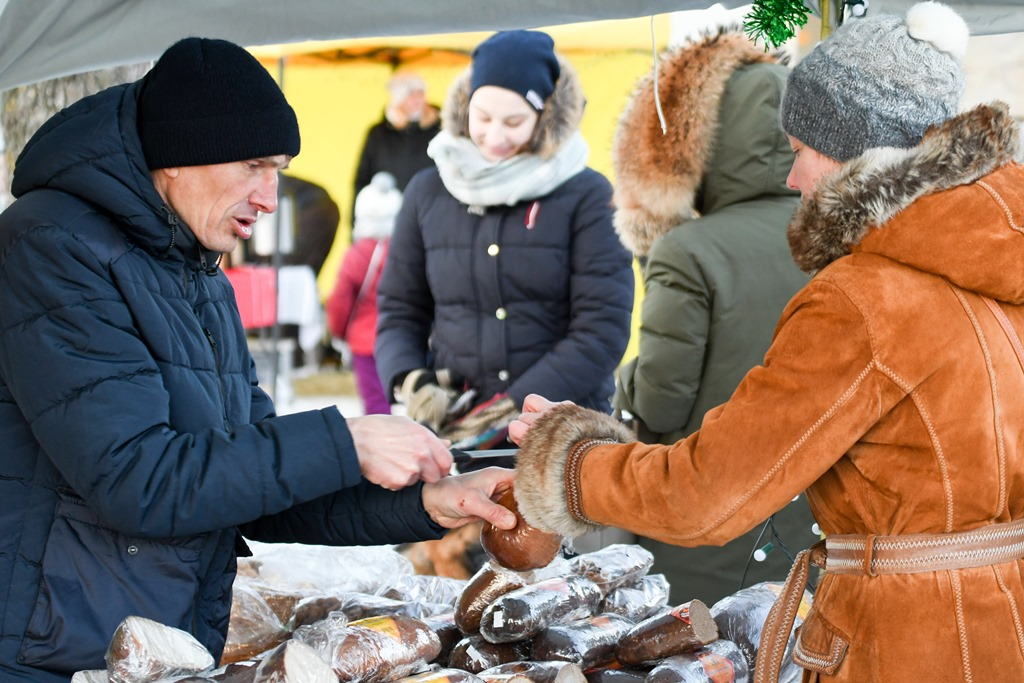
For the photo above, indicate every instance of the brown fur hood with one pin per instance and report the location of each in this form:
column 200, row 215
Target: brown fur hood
column 558, row 122
column 659, row 176
column 869, row 191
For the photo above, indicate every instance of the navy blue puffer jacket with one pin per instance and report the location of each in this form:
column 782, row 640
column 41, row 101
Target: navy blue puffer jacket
column 508, row 308
column 137, row 446
column 532, row 297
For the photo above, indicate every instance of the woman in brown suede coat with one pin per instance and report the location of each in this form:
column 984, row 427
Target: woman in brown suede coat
column 891, row 392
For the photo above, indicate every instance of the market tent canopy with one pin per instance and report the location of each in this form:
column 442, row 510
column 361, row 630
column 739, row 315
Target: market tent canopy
column 43, row 40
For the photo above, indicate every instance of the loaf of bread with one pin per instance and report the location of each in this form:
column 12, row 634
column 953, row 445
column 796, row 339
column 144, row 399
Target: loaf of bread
column 294, row 662
column 254, row 626
column 639, row 599
column 521, row 548
column 717, row 662
column 442, row 676
column 523, row 613
column 142, row 651
column 239, row 672
column 534, row 672
column 373, row 650
column 683, row 629
column 588, row 642
column 315, row 608
column 487, row 585
column 475, row 654
column 613, row 565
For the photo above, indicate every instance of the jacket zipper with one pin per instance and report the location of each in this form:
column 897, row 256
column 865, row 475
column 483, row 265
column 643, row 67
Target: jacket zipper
column 220, row 379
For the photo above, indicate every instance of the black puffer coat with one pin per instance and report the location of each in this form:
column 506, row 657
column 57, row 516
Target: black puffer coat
column 530, row 298
column 136, row 442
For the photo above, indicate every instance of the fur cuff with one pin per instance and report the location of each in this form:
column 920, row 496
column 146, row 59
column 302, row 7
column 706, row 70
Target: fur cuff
column 543, row 485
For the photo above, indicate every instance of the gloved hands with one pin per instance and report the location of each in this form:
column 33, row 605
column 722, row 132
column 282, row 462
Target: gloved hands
column 484, row 426
column 425, row 400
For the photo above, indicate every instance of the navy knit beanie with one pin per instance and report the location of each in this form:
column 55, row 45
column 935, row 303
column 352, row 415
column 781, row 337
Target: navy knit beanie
column 211, row 102
column 520, row 61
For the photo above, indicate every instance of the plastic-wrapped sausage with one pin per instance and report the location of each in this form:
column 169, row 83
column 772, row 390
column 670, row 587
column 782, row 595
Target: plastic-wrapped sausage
column 486, row 586
column 526, row 611
column 475, row 654
column 740, row 618
column 534, row 672
column 373, row 650
column 522, row 547
column 588, row 642
column 640, row 599
column 683, row 629
column 615, row 674
column 717, row 662
column 443, row 626
column 613, row 565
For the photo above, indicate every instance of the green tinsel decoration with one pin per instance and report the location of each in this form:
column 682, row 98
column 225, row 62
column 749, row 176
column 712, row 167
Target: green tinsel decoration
column 775, row 21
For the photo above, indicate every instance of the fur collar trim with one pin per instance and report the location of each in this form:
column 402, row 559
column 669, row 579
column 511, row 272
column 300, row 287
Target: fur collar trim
column 871, row 189
column 658, row 174
column 557, row 123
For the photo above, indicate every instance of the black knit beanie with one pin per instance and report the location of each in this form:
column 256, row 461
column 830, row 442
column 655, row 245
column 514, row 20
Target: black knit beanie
column 211, row 102
column 520, row 61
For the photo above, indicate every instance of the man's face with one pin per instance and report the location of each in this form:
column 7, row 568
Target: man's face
column 220, row 202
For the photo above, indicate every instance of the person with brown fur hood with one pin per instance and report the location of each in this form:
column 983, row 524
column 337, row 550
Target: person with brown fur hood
column 504, row 273
column 706, row 205
column 890, row 393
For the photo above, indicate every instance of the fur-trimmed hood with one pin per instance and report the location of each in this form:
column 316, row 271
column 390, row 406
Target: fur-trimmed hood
column 559, row 120
column 885, row 202
column 721, row 145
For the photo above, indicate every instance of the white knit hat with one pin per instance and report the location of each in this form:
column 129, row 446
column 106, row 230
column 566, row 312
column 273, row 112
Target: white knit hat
column 376, row 206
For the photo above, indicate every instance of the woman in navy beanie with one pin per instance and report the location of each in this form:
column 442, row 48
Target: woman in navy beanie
column 505, row 276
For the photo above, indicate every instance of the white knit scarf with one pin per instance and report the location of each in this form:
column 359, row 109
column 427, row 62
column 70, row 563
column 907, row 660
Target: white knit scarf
column 477, row 182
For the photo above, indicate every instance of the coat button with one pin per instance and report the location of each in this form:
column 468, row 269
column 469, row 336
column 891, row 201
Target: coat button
column 501, row 314
column 133, row 550
column 493, row 250
column 503, row 375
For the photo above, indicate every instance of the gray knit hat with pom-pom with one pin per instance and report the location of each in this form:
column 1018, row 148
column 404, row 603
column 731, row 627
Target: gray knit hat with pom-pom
column 878, row 81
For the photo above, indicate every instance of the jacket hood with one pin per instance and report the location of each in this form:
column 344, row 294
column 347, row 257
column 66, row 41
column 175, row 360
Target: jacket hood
column 91, row 150
column 929, row 206
column 559, row 120
column 720, row 98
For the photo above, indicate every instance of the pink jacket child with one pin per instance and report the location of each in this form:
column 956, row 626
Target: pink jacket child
column 352, row 306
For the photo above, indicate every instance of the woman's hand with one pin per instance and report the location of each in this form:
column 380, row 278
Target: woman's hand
column 395, row 452
column 456, row 501
column 533, row 407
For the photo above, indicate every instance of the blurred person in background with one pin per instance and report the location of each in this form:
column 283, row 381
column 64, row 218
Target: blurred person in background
column 352, row 306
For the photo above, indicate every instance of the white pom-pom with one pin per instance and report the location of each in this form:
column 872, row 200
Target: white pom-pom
column 939, row 25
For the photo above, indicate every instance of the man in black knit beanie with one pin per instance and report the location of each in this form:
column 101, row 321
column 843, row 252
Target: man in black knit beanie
column 138, row 448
